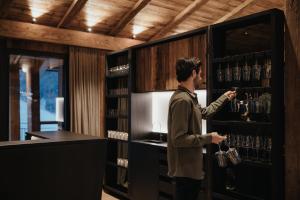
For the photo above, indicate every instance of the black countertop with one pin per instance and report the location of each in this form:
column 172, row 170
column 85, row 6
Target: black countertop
column 51, row 137
column 163, row 145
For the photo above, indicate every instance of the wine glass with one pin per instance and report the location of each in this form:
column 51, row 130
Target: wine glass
column 228, row 73
column 256, row 71
column 220, row 75
column 239, row 143
column 246, row 71
column 269, row 149
column 247, row 146
column 257, row 147
column 236, row 72
column 267, row 68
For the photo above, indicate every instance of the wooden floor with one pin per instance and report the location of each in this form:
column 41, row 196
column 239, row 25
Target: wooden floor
column 107, row 197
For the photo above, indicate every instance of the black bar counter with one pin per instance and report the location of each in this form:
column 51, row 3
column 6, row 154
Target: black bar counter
column 59, row 165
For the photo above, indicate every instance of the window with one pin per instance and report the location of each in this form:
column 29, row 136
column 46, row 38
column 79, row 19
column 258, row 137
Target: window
column 35, row 82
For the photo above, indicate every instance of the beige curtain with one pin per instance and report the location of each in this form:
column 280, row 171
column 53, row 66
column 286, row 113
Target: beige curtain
column 87, row 91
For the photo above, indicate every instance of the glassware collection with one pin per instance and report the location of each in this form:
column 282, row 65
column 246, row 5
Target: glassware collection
column 250, row 76
column 122, row 162
column 253, row 148
column 119, row 135
column 248, row 104
column 119, row 70
column 245, row 70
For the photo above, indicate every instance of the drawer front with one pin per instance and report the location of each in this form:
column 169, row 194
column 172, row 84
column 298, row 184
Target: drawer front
column 166, row 187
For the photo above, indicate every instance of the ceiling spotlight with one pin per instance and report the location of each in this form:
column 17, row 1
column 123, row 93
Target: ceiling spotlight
column 34, row 19
column 89, row 29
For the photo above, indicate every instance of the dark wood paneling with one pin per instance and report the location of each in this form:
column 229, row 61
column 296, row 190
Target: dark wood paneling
column 156, row 70
column 37, row 46
column 4, row 88
column 14, row 98
column 292, row 100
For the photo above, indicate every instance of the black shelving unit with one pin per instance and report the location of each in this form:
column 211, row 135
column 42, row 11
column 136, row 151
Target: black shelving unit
column 118, row 96
column 240, row 46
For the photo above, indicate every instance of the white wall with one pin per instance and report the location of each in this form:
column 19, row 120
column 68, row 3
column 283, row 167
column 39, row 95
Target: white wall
column 160, row 105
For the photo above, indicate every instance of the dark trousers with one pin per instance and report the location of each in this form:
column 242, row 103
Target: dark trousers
column 187, row 188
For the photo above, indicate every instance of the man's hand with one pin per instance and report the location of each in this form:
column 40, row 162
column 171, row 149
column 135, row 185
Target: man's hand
column 230, row 95
column 216, row 138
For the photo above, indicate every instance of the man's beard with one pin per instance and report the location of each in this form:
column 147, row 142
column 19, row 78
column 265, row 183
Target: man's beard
column 197, row 82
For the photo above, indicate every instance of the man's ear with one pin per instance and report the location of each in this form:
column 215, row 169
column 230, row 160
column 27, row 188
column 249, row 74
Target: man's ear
column 194, row 73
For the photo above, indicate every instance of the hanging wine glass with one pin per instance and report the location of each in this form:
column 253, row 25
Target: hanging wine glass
column 256, row 71
column 237, row 72
column 246, row 71
column 269, row 149
column 257, row 147
column 228, row 73
column 220, row 74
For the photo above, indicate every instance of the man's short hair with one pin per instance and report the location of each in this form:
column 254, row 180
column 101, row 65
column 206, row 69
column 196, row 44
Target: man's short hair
column 185, row 67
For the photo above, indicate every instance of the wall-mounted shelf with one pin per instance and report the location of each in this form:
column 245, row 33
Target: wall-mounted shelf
column 116, row 140
column 117, row 101
column 116, row 191
column 117, row 76
column 115, row 165
column 117, row 96
column 116, row 116
column 239, row 123
column 242, row 56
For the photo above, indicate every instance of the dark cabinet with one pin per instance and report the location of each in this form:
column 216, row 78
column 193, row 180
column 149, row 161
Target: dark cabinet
column 244, row 54
column 145, row 167
column 117, row 116
column 247, row 56
column 150, row 180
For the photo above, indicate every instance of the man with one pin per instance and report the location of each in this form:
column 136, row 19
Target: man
column 185, row 142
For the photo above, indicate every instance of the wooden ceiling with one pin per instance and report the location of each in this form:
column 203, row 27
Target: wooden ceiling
column 148, row 19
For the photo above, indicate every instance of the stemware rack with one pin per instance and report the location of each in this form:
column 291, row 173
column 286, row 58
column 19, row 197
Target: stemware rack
column 253, row 122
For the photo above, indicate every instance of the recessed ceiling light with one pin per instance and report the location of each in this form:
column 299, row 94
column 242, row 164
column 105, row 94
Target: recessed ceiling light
column 34, row 19
column 89, row 29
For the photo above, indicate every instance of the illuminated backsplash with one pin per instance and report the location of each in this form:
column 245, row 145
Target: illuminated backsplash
column 160, row 105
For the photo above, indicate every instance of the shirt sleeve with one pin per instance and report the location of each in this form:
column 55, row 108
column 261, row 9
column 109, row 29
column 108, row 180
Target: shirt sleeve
column 181, row 112
column 213, row 107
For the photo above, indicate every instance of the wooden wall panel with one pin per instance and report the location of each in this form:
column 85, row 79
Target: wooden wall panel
column 292, row 100
column 4, row 87
column 155, row 65
column 14, row 102
column 28, row 45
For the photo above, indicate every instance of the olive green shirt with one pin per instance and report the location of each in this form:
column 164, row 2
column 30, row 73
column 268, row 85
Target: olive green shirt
column 185, row 142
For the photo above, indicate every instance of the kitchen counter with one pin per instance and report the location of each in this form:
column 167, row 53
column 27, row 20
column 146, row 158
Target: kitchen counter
column 163, row 145
column 50, row 137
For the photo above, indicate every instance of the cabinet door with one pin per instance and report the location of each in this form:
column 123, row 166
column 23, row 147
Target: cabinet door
column 155, row 65
column 144, row 172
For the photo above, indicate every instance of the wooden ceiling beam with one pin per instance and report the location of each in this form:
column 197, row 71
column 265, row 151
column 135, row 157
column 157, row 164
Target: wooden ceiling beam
column 4, row 5
column 236, row 10
column 35, row 32
column 129, row 16
column 180, row 17
column 72, row 11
